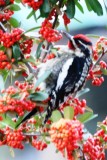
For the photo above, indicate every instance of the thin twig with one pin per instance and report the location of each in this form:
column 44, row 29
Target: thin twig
column 56, row 17
column 2, row 27
column 36, row 134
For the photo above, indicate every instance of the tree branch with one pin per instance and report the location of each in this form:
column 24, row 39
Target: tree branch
column 2, row 27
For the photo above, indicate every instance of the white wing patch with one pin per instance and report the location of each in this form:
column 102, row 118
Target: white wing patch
column 63, row 73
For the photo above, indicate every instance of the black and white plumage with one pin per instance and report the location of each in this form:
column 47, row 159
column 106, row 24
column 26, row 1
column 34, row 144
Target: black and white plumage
column 72, row 71
column 68, row 72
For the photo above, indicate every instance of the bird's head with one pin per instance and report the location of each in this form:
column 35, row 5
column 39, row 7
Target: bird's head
column 79, row 42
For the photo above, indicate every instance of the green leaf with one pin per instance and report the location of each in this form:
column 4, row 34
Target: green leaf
column 5, row 74
column 87, row 116
column 93, row 35
column 31, row 29
column 38, row 51
column 1, row 82
column 7, row 121
column 38, row 121
column 88, row 5
column 14, row 22
column 82, row 92
column 45, row 6
column 56, row 116
column 53, row 1
column 12, row 152
column 18, row 121
column 89, row 109
column 16, row 51
column 79, row 6
column 105, row 5
column 7, row 2
column 30, row 77
column 30, row 14
column 38, row 96
column 42, row 13
column 16, row 95
column 14, row 7
column 96, row 7
column 104, row 71
column 68, row 112
column 70, row 9
column 18, row 1
column 2, row 48
column 42, row 78
column 77, row 20
column 30, row 59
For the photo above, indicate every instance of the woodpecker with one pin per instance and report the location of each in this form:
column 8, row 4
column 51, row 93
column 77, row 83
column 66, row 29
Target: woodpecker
column 68, row 72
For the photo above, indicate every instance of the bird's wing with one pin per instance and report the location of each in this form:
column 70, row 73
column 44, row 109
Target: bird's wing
column 69, row 80
column 55, row 66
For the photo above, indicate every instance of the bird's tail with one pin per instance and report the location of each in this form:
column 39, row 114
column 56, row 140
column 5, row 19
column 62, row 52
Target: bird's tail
column 52, row 105
column 49, row 112
column 28, row 116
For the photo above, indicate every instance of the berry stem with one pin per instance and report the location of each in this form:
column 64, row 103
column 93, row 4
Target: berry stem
column 36, row 134
column 2, row 27
column 56, row 17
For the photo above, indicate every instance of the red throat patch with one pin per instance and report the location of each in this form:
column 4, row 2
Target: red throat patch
column 70, row 45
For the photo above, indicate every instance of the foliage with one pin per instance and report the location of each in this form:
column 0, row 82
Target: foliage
column 65, row 127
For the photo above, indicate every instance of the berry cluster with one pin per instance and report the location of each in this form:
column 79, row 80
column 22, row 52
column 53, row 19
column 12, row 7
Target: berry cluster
column 2, row 2
column 103, row 65
column 99, row 47
column 93, row 149
column 94, row 146
column 8, row 39
column 66, row 134
column 6, row 15
column 52, row 14
column 49, row 56
column 24, row 87
column 14, row 138
column 4, row 63
column 78, row 105
column 34, row 4
column 11, row 1
column 102, row 132
column 66, row 19
column 98, row 81
column 18, row 105
column 98, row 70
column 96, row 74
column 51, row 35
column 26, row 46
column 39, row 145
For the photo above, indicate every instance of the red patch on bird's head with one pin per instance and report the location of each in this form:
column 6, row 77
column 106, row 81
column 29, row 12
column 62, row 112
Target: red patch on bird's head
column 82, row 37
column 79, row 41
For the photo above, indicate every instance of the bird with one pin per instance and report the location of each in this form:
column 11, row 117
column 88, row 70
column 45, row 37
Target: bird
column 69, row 71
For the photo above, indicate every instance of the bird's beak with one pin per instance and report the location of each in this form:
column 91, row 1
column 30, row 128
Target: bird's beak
column 67, row 35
